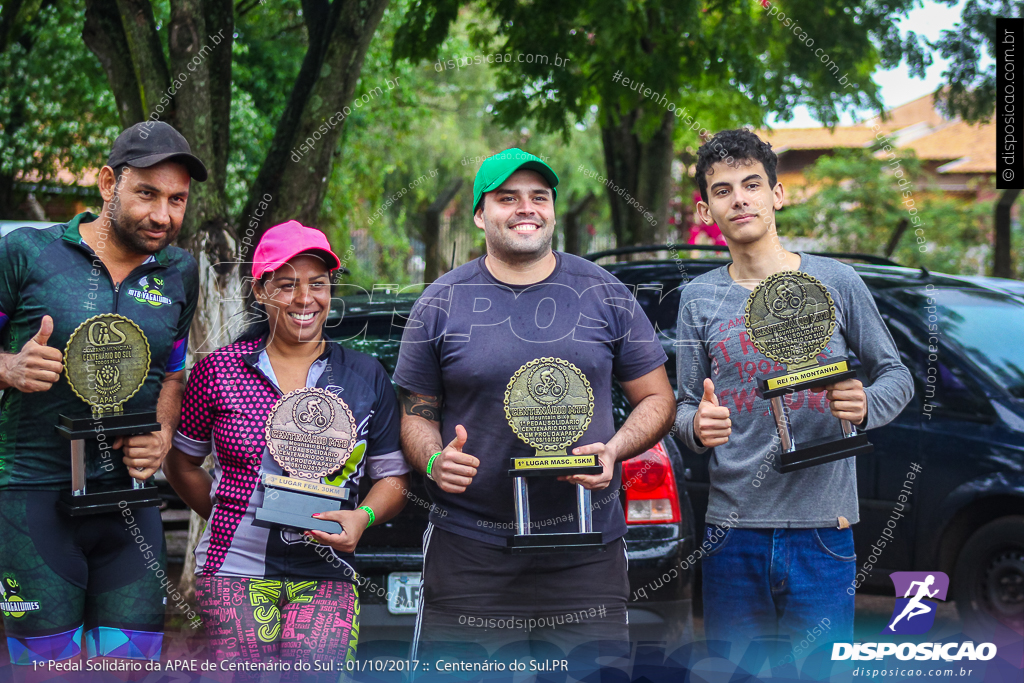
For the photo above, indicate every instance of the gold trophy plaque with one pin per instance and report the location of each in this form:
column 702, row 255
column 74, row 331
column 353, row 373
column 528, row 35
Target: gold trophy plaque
column 311, row 433
column 790, row 317
column 106, row 362
column 549, row 404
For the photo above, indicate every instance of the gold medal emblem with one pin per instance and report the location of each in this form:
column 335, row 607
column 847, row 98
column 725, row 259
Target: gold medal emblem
column 549, row 404
column 311, row 433
column 790, row 317
column 106, row 361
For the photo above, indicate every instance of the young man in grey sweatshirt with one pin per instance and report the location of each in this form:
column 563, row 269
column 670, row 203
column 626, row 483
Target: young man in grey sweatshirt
column 782, row 552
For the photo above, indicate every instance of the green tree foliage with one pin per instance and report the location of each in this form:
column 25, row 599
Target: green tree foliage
column 969, row 90
column 970, row 93
column 55, row 113
column 269, row 44
column 725, row 62
column 401, row 152
column 863, row 202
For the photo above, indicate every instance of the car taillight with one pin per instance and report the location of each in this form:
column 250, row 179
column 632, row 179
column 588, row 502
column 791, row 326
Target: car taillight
column 651, row 496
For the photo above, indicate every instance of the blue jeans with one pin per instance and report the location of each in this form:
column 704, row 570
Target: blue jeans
column 778, row 583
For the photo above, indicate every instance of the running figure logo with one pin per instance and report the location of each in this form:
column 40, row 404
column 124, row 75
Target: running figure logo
column 915, row 614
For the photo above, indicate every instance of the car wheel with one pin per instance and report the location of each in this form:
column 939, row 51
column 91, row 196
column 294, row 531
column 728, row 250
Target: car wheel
column 988, row 581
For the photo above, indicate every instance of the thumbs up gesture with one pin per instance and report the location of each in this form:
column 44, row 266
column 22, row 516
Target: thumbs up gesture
column 37, row 367
column 711, row 424
column 454, row 469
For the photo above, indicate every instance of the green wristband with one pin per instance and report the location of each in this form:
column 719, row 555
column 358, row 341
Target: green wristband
column 429, row 463
column 368, row 511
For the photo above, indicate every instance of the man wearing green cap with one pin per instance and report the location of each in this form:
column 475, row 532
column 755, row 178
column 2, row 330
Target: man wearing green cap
column 469, row 334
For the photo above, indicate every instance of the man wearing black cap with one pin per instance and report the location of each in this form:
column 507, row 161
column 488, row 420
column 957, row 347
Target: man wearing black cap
column 471, row 333
column 96, row 577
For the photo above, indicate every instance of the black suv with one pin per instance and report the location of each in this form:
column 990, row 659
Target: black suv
column 963, row 340
column 658, row 514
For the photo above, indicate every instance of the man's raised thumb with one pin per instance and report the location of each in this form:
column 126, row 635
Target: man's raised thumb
column 460, row 438
column 709, row 392
column 45, row 330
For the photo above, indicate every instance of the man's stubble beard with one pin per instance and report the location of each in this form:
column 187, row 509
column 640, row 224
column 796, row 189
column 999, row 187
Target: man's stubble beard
column 509, row 250
column 126, row 231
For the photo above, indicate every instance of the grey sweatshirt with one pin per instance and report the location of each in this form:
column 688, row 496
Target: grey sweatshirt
column 712, row 341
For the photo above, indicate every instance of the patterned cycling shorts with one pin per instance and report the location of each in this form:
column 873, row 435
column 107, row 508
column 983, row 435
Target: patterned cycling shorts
column 95, row 583
column 291, row 622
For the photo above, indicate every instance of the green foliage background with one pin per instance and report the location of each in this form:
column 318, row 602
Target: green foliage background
column 859, row 202
column 55, row 113
column 59, row 113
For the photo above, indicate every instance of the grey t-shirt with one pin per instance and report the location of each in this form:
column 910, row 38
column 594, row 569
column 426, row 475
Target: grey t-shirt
column 467, row 336
column 712, row 341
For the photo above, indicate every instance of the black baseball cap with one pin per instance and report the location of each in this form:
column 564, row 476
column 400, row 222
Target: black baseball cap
column 151, row 142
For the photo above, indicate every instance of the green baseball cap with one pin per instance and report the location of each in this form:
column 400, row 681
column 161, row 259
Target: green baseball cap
column 496, row 169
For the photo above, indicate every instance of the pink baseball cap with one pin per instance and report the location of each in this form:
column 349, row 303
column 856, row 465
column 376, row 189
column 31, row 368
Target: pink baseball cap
column 284, row 242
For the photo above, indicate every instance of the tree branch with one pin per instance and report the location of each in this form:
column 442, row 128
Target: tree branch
column 572, row 222
column 220, row 21
column 243, row 8
column 317, row 15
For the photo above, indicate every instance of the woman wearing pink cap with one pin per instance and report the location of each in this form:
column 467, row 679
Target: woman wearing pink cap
column 268, row 593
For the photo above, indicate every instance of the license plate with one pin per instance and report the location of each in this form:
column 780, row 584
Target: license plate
column 403, row 592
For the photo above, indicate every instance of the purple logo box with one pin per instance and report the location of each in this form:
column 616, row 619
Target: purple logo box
column 916, row 592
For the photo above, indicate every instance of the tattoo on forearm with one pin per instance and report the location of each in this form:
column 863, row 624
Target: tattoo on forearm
column 421, row 405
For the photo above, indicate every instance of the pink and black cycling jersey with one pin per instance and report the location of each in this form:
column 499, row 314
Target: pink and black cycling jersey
column 227, row 401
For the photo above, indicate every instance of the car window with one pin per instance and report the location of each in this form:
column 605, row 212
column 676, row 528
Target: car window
column 660, row 301
column 985, row 325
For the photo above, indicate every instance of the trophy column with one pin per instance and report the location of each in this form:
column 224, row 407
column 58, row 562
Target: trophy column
column 78, row 501
column 780, row 413
column 522, row 501
column 583, row 509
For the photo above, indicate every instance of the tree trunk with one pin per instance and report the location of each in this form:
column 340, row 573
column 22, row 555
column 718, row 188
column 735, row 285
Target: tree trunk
column 572, row 223
column 1002, row 254
column 897, row 234
column 196, row 526
column 7, row 206
column 339, row 35
column 432, row 230
column 639, row 170
column 122, row 34
column 199, row 106
column 146, row 52
column 104, row 35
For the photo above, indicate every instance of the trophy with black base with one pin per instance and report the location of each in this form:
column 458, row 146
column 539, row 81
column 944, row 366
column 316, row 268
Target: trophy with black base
column 790, row 317
column 106, row 361
column 311, row 433
column 549, row 404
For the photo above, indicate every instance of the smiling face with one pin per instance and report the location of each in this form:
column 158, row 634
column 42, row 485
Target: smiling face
column 146, row 206
column 297, row 297
column 740, row 201
column 518, row 218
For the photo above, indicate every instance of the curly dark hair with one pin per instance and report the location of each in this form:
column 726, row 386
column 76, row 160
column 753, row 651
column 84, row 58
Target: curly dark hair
column 739, row 144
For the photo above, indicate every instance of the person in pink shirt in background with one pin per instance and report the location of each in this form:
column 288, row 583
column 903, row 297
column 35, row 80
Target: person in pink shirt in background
column 714, row 235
